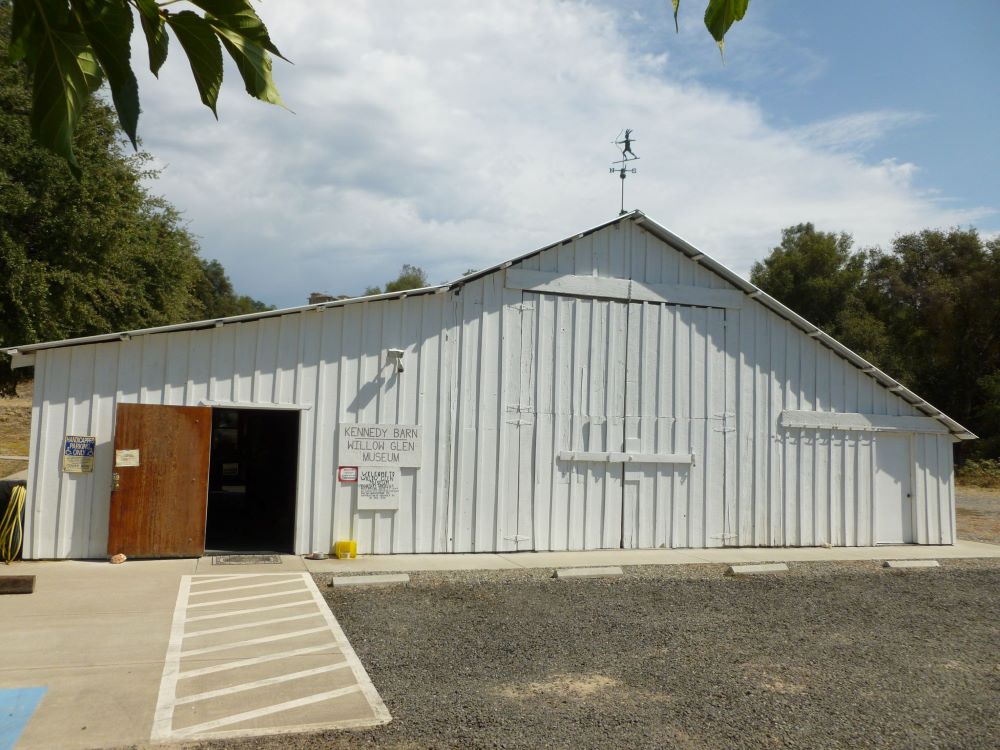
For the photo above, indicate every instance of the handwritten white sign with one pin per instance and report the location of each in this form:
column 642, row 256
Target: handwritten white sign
column 378, row 489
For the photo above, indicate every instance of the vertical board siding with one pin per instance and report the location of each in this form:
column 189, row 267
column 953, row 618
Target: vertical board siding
column 328, row 363
column 500, row 382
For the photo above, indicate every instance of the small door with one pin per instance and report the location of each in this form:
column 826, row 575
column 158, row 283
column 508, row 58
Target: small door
column 160, row 490
column 893, row 493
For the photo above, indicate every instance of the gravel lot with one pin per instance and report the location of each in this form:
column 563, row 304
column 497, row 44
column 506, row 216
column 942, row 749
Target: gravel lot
column 844, row 655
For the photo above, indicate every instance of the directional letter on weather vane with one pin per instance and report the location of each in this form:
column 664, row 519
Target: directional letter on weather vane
column 624, row 144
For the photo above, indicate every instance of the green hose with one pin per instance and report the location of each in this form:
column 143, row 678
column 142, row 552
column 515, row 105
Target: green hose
column 10, row 526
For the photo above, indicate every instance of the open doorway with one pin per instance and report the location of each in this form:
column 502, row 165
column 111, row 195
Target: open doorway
column 251, row 481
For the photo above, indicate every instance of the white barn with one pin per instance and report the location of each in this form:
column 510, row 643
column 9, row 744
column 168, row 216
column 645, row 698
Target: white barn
column 616, row 389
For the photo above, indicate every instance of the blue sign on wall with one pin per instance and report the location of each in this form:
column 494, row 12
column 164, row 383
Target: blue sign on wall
column 78, row 453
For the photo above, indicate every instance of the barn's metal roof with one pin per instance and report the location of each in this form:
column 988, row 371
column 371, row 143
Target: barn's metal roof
column 640, row 219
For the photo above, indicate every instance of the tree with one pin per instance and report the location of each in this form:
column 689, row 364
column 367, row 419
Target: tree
column 927, row 312
column 215, row 294
column 79, row 258
column 938, row 294
column 814, row 273
column 70, row 47
column 410, row 277
column 720, row 15
column 819, row 276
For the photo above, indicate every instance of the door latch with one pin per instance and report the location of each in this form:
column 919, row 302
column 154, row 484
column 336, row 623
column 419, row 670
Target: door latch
column 115, row 477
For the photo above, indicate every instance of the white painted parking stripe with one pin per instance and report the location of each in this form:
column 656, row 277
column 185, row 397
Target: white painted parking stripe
column 218, row 578
column 250, row 642
column 267, row 681
column 249, row 662
column 258, row 712
column 202, row 592
column 374, row 699
column 276, row 678
column 234, row 612
column 254, row 624
column 204, row 576
column 163, row 717
column 244, row 598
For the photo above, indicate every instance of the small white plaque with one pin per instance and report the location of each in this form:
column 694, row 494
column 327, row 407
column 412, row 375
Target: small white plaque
column 127, row 458
column 378, row 488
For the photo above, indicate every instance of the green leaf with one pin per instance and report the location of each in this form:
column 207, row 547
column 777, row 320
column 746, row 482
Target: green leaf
column 203, row 51
column 720, row 15
column 21, row 23
column 253, row 63
column 677, row 7
column 156, row 35
column 108, row 27
column 65, row 72
column 240, row 17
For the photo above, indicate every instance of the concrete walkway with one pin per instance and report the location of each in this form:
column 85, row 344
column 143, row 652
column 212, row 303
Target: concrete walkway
column 128, row 654
column 97, row 636
column 725, row 555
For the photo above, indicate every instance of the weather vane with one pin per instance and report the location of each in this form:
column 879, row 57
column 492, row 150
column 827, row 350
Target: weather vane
column 624, row 143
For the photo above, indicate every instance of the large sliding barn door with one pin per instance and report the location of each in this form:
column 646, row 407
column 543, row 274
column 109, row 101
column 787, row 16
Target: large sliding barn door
column 676, row 427
column 571, row 402
column 161, row 481
column 604, row 383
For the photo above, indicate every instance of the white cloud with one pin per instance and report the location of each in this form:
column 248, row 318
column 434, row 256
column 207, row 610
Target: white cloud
column 454, row 135
column 855, row 132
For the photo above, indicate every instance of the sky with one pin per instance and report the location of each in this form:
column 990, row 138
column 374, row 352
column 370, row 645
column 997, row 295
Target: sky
column 455, row 135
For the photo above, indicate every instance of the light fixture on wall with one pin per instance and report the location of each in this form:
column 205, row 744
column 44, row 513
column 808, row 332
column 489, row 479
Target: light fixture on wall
column 395, row 356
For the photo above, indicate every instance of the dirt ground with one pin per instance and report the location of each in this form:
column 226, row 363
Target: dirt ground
column 15, row 428
column 978, row 511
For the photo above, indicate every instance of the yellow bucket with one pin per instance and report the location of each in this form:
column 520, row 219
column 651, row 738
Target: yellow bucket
column 345, row 548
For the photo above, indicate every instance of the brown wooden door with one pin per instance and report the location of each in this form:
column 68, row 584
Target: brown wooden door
column 158, row 505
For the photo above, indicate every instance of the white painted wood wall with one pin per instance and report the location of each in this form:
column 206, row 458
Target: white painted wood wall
column 502, row 380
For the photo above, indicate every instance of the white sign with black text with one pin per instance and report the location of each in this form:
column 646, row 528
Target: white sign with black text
column 379, row 445
column 378, row 488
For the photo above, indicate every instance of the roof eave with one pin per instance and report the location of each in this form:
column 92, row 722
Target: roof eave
column 214, row 322
column 679, row 243
column 641, row 219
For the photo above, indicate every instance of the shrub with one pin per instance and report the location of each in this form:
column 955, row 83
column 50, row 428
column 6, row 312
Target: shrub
column 982, row 472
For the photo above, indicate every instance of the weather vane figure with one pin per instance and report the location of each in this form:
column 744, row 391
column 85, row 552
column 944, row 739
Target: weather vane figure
column 624, row 143
column 627, row 145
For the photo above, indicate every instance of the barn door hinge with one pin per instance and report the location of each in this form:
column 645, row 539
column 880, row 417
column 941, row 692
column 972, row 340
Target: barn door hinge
column 515, row 414
column 516, row 538
column 723, row 537
column 723, row 429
